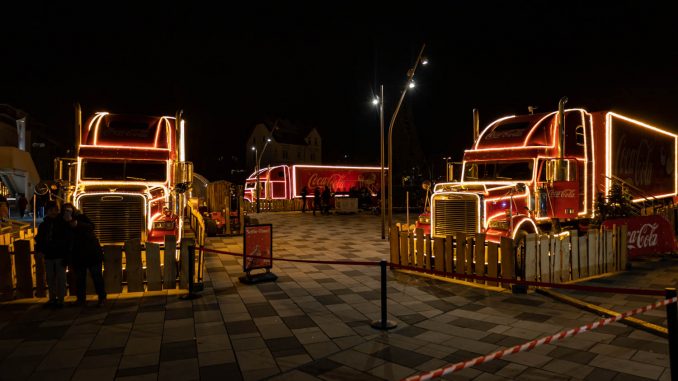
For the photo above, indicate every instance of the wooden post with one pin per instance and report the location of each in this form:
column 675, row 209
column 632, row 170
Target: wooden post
column 6, row 277
column 404, row 245
column 507, row 257
column 449, row 254
column 22, row 266
column 113, row 268
column 583, row 256
column 593, row 252
column 492, row 262
column 393, row 243
column 169, row 279
column 184, row 261
column 624, row 248
column 419, row 234
column 574, row 248
column 153, row 277
column 531, row 257
column 460, row 262
column 439, row 254
column 479, row 256
column 469, row 255
column 134, row 266
column 410, row 252
column 428, row 252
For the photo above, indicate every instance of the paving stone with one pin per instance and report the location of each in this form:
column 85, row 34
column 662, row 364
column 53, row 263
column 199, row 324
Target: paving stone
column 178, row 351
column 404, row 357
column 219, row 372
column 179, row 370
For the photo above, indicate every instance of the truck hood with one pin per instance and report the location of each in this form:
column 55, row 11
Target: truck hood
column 485, row 189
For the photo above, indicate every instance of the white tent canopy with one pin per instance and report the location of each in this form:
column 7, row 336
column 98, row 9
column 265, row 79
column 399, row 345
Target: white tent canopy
column 17, row 171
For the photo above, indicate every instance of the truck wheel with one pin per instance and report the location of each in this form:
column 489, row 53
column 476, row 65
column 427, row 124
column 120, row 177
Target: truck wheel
column 211, row 228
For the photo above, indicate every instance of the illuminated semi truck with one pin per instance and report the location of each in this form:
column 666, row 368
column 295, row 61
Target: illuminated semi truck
column 536, row 173
column 285, row 182
column 129, row 176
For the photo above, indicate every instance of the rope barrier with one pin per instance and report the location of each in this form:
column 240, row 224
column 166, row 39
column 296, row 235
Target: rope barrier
column 578, row 287
column 535, row 343
column 316, row 261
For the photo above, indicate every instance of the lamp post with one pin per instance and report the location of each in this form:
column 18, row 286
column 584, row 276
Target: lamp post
column 257, row 157
column 408, row 85
column 379, row 101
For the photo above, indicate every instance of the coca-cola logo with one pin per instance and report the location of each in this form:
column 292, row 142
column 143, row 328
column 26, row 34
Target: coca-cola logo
column 634, row 163
column 646, row 236
column 343, row 182
column 562, row 193
column 333, row 181
column 514, row 133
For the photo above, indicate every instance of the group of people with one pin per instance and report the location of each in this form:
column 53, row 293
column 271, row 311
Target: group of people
column 321, row 200
column 66, row 238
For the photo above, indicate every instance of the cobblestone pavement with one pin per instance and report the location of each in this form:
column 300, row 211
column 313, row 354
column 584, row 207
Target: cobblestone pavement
column 313, row 323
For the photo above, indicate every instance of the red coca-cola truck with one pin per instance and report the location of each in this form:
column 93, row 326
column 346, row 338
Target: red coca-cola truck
column 285, row 182
column 535, row 173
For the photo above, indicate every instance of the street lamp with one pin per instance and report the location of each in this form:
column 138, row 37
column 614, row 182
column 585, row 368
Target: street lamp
column 257, row 158
column 379, row 101
column 409, row 85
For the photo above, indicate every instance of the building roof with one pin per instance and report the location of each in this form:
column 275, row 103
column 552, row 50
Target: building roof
column 287, row 133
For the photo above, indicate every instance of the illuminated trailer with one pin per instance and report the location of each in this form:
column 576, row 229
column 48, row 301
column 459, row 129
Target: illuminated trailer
column 533, row 173
column 285, row 182
column 130, row 176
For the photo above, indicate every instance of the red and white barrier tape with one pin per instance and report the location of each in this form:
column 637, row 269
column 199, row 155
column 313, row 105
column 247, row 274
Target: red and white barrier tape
column 535, row 343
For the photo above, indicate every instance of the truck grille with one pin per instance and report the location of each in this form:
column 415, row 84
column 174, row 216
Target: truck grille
column 454, row 214
column 116, row 218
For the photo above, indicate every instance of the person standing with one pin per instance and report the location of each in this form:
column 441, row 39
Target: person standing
column 22, row 203
column 316, row 200
column 52, row 242
column 304, row 193
column 327, row 195
column 86, row 253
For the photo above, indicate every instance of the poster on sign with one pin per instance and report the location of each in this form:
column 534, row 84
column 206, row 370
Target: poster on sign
column 647, row 235
column 258, row 247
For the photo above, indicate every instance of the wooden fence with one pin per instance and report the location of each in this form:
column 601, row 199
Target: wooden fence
column 128, row 268
column 278, row 205
column 547, row 258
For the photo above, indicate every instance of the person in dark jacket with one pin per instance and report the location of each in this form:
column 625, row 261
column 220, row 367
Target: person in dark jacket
column 327, row 196
column 52, row 242
column 316, row 200
column 304, row 193
column 86, row 253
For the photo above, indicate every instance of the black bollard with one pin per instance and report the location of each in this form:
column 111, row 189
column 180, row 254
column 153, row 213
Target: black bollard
column 671, row 321
column 384, row 323
column 191, row 273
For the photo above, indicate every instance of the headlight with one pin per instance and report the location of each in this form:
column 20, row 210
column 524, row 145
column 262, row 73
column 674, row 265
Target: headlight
column 425, row 220
column 163, row 225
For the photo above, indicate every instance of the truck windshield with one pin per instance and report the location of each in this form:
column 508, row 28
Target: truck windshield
column 499, row 171
column 124, row 170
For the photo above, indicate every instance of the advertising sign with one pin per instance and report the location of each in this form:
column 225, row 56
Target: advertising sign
column 642, row 157
column 340, row 180
column 258, row 247
column 647, row 235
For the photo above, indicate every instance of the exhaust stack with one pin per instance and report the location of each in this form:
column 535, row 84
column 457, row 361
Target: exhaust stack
column 78, row 126
column 476, row 125
column 561, row 127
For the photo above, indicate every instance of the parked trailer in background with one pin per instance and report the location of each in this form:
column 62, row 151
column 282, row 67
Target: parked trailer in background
column 285, row 182
column 535, row 173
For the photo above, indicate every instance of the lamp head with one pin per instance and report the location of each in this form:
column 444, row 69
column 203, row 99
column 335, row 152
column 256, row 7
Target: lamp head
column 268, row 140
column 254, row 148
column 411, row 85
column 375, row 101
column 424, row 61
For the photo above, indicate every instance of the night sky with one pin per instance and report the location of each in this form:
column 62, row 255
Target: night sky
column 318, row 63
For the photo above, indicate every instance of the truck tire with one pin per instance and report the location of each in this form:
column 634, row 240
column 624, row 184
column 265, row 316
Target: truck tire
column 211, row 228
